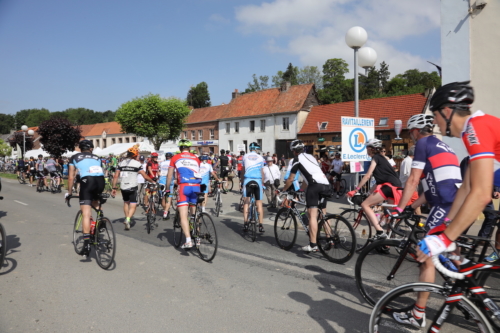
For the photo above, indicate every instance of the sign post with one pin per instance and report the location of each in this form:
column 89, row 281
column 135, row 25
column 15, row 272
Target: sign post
column 355, row 133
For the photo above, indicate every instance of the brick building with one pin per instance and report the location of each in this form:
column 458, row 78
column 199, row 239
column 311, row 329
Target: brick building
column 202, row 128
column 104, row 135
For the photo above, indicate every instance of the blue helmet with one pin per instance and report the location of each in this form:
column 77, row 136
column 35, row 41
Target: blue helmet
column 204, row 158
column 254, row 146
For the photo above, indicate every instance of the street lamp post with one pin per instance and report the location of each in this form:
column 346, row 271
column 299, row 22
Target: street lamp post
column 355, row 38
column 24, row 128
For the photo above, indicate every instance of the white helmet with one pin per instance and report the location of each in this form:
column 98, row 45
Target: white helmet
column 296, row 144
column 374, row 143
column 420, row 121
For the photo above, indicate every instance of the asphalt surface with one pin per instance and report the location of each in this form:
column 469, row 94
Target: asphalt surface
column 154, row 287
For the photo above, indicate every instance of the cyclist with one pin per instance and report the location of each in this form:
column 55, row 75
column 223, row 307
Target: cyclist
column 239, row 167
column 296, row 184
column 20, row 167
column 51, row 166
column 32, row 170
column 224, row 163
column 152, row 170
column 437, row 164
column 187, row 166
column 253, row 173
column 166, row 200
column 317, row 183
column 205, row 171
column 140, row 179
column 336, row 171
column 39, row 169
column 388, row 185
column 92, row 184
column 127, row 171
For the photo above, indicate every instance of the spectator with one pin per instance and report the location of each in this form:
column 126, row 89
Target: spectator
column 272, row 177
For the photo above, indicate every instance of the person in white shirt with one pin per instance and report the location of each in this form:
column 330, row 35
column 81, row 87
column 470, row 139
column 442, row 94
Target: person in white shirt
column 336, row 171
column 405, row 168
column 271, row 175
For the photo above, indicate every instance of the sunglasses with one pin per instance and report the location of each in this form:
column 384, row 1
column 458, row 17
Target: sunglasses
column 383, row 151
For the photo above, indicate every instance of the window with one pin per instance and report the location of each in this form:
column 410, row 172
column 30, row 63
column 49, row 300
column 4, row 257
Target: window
column 134, row 139
column 200, row 134
column 286, row 124
column 193, row 135
column 97, row 143
column 230, row 145
column 113, row 141
column 246, row 147
column 212, row 135
column 252, row 126
column 383, row 121
column 120, row 140
column 259, row 142
column 228, row 128
column 211, row 149
column 127, row 140
column 236, row 127
column 104, row 145
column 263, row 125
column 324, row 125
column 185, row 135
column 337, row 138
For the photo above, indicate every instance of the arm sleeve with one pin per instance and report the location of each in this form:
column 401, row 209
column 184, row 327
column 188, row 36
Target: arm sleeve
column 295, row 165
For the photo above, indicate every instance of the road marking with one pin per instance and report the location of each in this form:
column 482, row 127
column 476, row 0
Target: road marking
column 22, row 203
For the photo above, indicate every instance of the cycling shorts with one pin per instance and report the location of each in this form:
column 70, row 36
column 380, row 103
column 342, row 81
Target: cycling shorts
column 130, row 195
column 40, row 174
column 389, row 191
column 224, row 171
column 255, row 190
column 313, row 198
column 436, row 216
column 207, row 186
column 188, row 194
column 20, row 168
column 336, row 175
column 55, row 174
column 239, row 174
column 90, row 189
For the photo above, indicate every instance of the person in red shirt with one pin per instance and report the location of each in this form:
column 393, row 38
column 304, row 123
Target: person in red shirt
column 239, row 167
column 152, row 170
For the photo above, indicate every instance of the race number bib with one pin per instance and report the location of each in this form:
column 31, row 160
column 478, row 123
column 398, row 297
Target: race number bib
column 95, row 169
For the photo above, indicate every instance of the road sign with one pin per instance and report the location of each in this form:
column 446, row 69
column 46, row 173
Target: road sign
column 355, row 133
column 240, row 147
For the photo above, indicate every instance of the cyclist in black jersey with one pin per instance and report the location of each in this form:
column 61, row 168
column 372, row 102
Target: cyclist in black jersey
column 224, row 163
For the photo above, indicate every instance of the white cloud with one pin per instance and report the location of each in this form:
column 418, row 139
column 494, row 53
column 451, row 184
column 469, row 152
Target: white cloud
column 314, row 30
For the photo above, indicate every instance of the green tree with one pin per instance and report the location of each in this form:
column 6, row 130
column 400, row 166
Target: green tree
column 5, row 149
column 383, row 75
column 291, row 74
column 334, row 71
column 198, row 97
column 81, row 116
column 37, row 116
column 277, row 79
column 258, row 84
column 310, row 74
column 6, row 123
column 151, row 116
column 59, row 135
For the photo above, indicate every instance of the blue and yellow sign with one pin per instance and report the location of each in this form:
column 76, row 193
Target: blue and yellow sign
column 355, row 133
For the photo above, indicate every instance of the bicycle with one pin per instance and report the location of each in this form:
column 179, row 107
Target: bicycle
column 54, row 188
column 21, row 178
column 342, row 186
column 218, row 202
column 153, row 202
column 462, row 303
column 253, row 214
column 40, row 184
column 335, row 234
column 202, row 230
column 102, row 235
column 107, row 184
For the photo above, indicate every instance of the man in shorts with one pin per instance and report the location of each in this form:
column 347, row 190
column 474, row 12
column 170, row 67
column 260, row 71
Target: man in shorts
column 39, row 166
column 51, row 166
column 127, row 172
column 224, row 164
column 336, row 171
column 253, row 174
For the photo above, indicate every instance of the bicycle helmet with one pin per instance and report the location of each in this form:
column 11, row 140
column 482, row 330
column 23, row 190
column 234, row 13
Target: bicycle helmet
column 40, row 155
column 242, row 153
column 85, row 145
column 154, row 154
column 254, row 146
column 222, row 151
column 168, row 155
column 296, row 145
column 133, row 151
column 420, row 121
column 204, row 158
column 184, row 143
column 374, row 143
column 458, row 95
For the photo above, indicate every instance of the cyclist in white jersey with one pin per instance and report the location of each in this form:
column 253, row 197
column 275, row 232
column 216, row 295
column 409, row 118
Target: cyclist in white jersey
column 166, row 200
column 317, row 183
column 253, row 174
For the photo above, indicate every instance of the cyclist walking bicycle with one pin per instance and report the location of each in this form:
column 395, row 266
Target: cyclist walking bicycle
column 127, row 171
column 253, row 174
column 39, row 166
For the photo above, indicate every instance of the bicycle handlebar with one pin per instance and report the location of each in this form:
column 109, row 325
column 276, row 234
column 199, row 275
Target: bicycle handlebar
column 446, row 271
column 68, row 199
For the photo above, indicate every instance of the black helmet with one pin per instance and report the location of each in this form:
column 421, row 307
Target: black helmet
column 242, row 153
column 222, row 151
column 40, row 155
column 460, row 93
column 85, row 145
column 169, row 155
column 296, row 145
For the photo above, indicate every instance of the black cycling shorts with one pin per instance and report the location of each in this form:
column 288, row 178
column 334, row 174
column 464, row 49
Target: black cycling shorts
column 130, row 195
column 224, row 171
column 336, row 175
column 90, row 189
column 313, row 195
column 255, row 190
column 40, row 174
column 55, row 174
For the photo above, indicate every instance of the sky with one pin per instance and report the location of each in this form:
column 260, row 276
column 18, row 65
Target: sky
column 98, row 54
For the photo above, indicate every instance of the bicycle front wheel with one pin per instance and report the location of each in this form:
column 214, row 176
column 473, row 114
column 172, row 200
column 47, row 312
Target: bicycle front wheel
column 105, row 243
column 3, row 244
column 177, row 230
column 78, row 233
column 361, row 225
column 207, row 237
column 460, row 316
column 336, row 239
column 285, row 228
column 253, row 221
column 20, row 179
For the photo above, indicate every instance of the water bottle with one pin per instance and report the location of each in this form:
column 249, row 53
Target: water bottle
column 305, row 218
column 447, row 263
column 92, row 226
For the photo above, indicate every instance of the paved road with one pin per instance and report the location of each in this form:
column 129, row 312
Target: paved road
column 154, row 287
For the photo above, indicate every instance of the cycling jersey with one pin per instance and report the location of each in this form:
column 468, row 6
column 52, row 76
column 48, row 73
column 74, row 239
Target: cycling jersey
column 240, row 163
column 296, row 184
column 39, row 165
column 20, row 163
column 187, row 166
column 441, row 170
column 337, row 165
column 154, row 169
column 128, row 173
column 310, row 169
column 224, row 161
column 164, row 166
column 87, row 164
column 51, row 165
column 253, row 164
column 480, row 136
column 205, row 171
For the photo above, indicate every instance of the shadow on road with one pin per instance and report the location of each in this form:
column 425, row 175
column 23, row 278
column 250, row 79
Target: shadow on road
column 10, row 264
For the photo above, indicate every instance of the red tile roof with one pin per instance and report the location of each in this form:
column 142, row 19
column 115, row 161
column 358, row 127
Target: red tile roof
column 211, row 113
column 397, row 107
column 111, row 127
column 269, row 101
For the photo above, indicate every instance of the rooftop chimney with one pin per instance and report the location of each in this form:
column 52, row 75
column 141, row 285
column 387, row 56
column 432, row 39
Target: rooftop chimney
column 235, row 93
column 285, row 85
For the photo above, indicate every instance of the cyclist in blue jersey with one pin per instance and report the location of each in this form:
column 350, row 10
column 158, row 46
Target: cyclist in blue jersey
column 253, row 174
column 92, row 184
column 295, row 183
column 205, row 171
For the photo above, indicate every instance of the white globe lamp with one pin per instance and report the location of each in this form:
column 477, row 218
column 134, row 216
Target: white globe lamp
column 356, row 37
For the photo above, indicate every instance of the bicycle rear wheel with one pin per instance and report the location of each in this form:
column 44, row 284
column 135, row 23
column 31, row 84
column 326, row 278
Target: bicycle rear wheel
column 105, row 243
column 336, row 239
column 20, row 178
column 3, row 244
column 207, row 236
column 361, row 226
column 285, row 228
column 252, row 221
column 403, row 299
column 177, row 230
column 78, row 233
column 228, row 185
column 342, row 187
